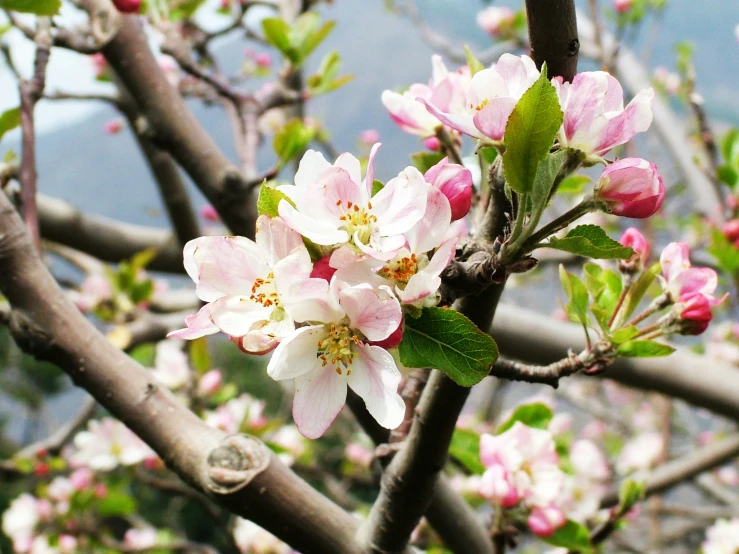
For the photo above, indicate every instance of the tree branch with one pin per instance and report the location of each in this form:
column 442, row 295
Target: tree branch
column 553, row 36
column 239, row 472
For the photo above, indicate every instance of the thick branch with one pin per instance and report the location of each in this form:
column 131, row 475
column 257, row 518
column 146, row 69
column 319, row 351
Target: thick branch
column 553, row 36
column 239, row 472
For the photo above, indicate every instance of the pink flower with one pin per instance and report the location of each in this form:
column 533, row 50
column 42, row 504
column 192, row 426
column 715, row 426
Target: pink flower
column 369, row 137
column 242, row 411
column 695, row 314
column 248, row 286
column 622, row 6
column 359, row 454
column 633, row 238
column 446, row 91
column 497, row 487
column 666, row 80
column 127, row 6
column 530, row 458
column 263, row 60
column 594, row 116
column 333, row 205
column 82, row 478
column 589, row 461
column 490, row 98
column 544, row 521
column 210, row 382
column 114, row 126
column 20, row 520
column 171, row 367
column 106, row 444
column 455, row 182
column 326, row 357
column 496, row 21
column 432, row 143
column 67, row 544
column 731, row 230
column 209, row 213
column 722, row 537
column 640, row 453
column 682, row 280
column 631, row 187
column 99, row 64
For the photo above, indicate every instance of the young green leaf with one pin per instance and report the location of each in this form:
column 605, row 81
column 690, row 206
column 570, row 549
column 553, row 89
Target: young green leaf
column 36, row 7
column 573, row 536
column 591, row 241
column 639, row 289
column 426, row 160
column 536, row 415
column 277, row 33
column 9, row 120
column 292, row 139
column 465, row 448
column 473, row 63
column 577, row 308
column 625, row 334
column 630, row 493
column 447, row 340
column 377, row 186
column 269, row 199
column 530, row 133
column 724, row 252
column 730, row 147
column 573, row 184
column 644, row 349
column 546, row 172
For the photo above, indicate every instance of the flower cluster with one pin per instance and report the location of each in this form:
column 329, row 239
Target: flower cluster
column 330, row 315
column 722, row 537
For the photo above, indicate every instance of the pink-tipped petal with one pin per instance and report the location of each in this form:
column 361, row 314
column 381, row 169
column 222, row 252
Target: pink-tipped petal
column 297, row 354
column 374, row 312
column 319, row 397
column 375, row 378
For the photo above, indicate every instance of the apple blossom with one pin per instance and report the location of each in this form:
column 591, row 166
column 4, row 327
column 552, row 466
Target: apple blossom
column 722, row 537
column 140, row 538
column 99, row 65
column 170, row 364
column 432, row 143
column 640, row 453
column 246, row 284
column 545, row 520
column 666, row 80
column 455, row 182
column 446, row 90
column 127, row 6
column 209, row 213
column 496, row 20
column 681, row 280
column 106, row 444
column 694, row 313
column 631, row 187
column 594, row 116
column 252, row 539
column 530, row 458
column 622, row 6
column 20, row 520
column 634, row 239
column 82, row 478
column 369, row 137
column 322, row 269
column 490, row 98
column 326, row 357
column 359, row 454
column 210, row 382
column 333, row 205
column 291, row 441
column 244, row 410
column 94, row 289
column 67, row 544
column 497, row 487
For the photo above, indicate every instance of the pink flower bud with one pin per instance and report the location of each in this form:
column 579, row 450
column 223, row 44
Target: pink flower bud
column 210, row 382
column 114, row 126
column 496, row 21
column 263, row 60
column 209, row 213
column 622, row 6
column 359, row 454
column 81, row 478
column 731, row 230
column 497, row 487
column 369, row 137
column 633, row 238
column 432, row 143
column 127, row 6
column 695, row 313
column 544, row 521
column 322, row 269
column 631, row 187
column 101, row 491
column 455, row 182
column 44, row 509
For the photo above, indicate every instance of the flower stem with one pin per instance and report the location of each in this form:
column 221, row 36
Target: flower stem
column 586, row 206
column 657, row 304
column 619, row 305
column 448, row 145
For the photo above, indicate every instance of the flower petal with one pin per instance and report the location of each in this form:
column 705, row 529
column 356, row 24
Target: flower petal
column 401, row 203
column 375, row 378
column 459, row 122
column 374, row 312
column 430, row 230
column 491, row 120
column 319, row 397
column 276, row 239
column 235, row 315
column 311, row 165
column 316, row 230
column 297, row 354
column 197, row 325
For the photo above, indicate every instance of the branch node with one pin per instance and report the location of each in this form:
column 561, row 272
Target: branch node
column 233, row 464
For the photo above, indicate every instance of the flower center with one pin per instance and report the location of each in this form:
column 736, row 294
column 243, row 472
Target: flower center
column 337, row 348
column 264, row 292
column 400, row 269
column 358, row 220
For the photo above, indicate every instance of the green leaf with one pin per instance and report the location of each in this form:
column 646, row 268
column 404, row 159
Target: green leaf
column 624, row 334
column 639, row 289
column 592, row 242
column 573, row 536
column 185, row 10
column 465, row 448
column 730, row 147
column 604, row 287
column 200, row 355
column 116, row 503
column 630, row 493
column 9, row 120
column 37, row 7
column 728, row 175
column 277, row 33
column 291, row 140
column 473, row 63
column 644, row 349
column 724, row 252
column 314, row 39
column 377, row 186
column 326, row 78
column 546, row 172
column 141, row 291
column 536, row 415
column 144, row 354
column 577, row 293
column 142, row 259
column 447, row 340
column 269, row 199
column 574, row 184
column 426, row 160
column 530, row 133
column 488, row 153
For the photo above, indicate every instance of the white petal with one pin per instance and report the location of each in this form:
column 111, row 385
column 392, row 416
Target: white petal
column 235, row 315
column 311, row 164
column 312, row 300
column 297, row 354
column 318, row 230
column 351, row 165
column 276, row 239
column 401, row 204
column 374, row 312
column 375, row 378
column 319, row 397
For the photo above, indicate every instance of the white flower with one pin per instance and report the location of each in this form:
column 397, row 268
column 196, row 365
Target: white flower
column 722, row 537
column 170, row 364
column 252, row 539
column 106, row 444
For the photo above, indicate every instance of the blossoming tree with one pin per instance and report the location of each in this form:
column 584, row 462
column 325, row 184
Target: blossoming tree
column 335, row 288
